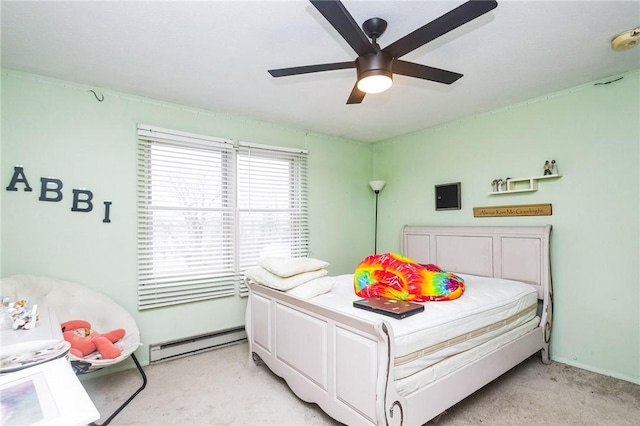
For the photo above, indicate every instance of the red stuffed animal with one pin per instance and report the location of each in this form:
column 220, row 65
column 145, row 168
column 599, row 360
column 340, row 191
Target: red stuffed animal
column 85, row 341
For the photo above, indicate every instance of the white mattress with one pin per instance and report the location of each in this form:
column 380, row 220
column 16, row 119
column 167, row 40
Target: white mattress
column 489, row 307
column 406, row 386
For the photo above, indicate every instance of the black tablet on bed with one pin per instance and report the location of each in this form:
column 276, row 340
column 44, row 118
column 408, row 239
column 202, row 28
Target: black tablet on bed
column 397, row 309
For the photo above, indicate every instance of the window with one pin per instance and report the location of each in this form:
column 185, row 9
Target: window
column 208, row 209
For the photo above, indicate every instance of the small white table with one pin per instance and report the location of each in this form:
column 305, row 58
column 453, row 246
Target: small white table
column 47, row 328
column 46, row 392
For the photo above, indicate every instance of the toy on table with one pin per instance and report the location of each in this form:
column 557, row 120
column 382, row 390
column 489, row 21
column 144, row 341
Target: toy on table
column 21, row 316
column 84, row 341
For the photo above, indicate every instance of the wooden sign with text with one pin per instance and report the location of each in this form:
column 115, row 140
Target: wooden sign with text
column 521, row 210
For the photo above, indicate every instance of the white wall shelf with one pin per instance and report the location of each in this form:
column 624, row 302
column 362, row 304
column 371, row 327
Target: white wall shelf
column 529, row 184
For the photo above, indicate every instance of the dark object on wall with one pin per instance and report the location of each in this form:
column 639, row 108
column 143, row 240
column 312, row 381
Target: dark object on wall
column 448, row 196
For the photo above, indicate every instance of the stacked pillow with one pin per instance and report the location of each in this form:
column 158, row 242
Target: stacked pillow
column 302, row 277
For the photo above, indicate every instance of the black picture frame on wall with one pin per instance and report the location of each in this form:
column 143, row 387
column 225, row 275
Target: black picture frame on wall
column 448, row 196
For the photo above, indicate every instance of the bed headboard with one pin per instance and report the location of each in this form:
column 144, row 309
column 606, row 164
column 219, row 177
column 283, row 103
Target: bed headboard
column 510, row 252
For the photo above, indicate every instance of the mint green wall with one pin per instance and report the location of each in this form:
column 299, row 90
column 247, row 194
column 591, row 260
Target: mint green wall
column 593, row 132
column 58, row 129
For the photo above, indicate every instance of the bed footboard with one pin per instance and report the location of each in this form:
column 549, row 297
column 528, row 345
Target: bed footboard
column 343, row 363
column 337, row 361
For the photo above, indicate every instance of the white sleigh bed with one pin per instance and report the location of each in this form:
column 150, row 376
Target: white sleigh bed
column 353, row 363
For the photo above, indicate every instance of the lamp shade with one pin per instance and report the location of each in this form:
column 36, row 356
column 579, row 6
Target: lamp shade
column 377, row 185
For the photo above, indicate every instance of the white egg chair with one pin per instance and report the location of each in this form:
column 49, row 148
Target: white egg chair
column 72, row 301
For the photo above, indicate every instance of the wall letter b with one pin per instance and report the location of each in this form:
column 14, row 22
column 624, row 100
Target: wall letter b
column 44, row 188
column 86, row 200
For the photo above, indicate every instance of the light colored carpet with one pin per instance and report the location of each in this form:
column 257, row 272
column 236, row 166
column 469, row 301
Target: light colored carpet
column 222, row 387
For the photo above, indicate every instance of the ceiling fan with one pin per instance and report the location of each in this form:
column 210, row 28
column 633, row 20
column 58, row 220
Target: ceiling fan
column 375, row 66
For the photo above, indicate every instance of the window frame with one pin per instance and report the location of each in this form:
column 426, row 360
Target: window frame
column 153, row 291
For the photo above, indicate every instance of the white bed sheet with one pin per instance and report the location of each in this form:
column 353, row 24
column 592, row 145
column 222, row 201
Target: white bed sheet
column 488, row 308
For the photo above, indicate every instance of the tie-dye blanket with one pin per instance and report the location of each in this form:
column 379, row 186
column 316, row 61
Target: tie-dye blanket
column 397, row 277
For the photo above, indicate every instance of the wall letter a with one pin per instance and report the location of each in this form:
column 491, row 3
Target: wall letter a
column 18, row 176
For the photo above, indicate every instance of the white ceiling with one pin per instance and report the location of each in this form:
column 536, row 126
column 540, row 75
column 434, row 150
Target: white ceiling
column 215, row 55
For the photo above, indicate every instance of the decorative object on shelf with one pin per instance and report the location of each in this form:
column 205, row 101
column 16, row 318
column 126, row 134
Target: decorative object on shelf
column 505, row 184
column 377, row 186
column 547, row 168
column 494, row 185
column 518, row 210
column 554, row 167
column 448, row 196
column 522, row 184
column 500, row 184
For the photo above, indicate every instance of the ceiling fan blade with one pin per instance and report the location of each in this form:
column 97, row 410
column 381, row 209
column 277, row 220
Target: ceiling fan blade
column 338, row 16
column 356, row 95
column 449, row 21
column 424, row 72
column 282, row 72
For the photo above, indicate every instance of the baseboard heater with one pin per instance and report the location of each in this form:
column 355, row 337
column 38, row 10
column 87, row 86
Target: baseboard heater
column 196, row 344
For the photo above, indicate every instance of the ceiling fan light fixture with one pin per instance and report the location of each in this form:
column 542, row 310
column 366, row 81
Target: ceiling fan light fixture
column 374, row 72
column 375, row 81
column 375, row 66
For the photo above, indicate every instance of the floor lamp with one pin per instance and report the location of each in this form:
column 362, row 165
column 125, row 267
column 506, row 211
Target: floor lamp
column 377, row 186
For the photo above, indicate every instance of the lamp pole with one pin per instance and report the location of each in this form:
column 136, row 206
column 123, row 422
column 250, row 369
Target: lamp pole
column 375, row 237
column 377, row 186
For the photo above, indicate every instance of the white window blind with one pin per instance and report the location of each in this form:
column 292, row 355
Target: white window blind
column 208, row 209
column 272, row 205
